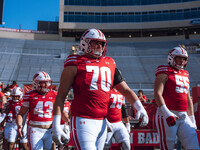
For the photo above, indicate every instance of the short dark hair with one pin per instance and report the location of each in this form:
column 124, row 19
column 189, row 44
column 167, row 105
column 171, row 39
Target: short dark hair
column 140, row 91
column 14, row 82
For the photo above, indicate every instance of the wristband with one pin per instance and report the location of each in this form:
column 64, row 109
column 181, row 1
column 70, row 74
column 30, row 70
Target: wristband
column 166, row 112
column 56, row 120
column 138, row 105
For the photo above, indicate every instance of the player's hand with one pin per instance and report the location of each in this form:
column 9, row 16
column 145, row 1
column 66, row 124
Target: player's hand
column 171, row 121
column 58, row 135
column 19, row 130
column 67, row 131
column 128, row 127
column 169, row 116
column 141, row 113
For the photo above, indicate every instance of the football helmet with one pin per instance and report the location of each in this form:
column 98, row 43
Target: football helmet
column 177, row 51
column 16, row 94
column 93, row 35
column 42, row 82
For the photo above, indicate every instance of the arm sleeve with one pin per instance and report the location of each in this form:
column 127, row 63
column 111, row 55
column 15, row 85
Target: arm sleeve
column 124, row 111
column 118, row 77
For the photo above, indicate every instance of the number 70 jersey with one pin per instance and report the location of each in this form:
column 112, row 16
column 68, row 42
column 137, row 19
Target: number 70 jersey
column 176, row 88
column 92, row 85
column 40, row 107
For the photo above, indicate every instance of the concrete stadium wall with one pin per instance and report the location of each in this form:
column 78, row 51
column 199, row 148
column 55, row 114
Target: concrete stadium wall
column 56, row 37
column 32, row 36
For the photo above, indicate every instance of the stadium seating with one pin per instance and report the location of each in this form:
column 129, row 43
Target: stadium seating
column 21, row 59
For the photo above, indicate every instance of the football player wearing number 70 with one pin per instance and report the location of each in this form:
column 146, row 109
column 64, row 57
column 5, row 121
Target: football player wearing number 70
column 39, row 103
column 175, row 114
column 92, row 76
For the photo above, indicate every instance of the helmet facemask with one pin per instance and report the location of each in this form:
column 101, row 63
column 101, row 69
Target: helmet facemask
column 42, row 82
column 177, row 52
column 16, row 98
column 95, row 50
column 17, row 94
column 43, row 86
column 90, row 36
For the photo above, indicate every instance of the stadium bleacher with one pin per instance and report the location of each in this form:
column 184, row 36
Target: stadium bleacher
column 21, row 59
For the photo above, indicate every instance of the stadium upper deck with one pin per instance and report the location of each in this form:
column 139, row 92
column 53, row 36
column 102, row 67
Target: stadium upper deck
column 129, row 18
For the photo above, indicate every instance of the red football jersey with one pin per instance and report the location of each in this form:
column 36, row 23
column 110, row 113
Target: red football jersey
column 40, row 107
column 115, row 106
column 92, row 85
column 9, row 117
column 176, row 88
column 14, row 108
column 66, row 109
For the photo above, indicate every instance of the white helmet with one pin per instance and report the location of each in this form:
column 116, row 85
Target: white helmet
column 87, row 37
column 177, row 51
column 38, row 80
column 17, row 92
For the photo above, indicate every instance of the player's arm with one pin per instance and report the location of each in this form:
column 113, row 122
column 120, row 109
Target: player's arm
column 66, row 81
column 19, row 119
column 65, row 116
column 124, row 89
column 158, row 91
column 190, row 110
column 159, row 88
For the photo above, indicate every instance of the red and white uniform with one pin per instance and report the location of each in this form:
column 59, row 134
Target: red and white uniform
column 114, row 116
column 40, row 107
column 14, row 110
column 92, row 85
column 175, row 95
column 40, row 113
column 8, row 121
column 176, row 88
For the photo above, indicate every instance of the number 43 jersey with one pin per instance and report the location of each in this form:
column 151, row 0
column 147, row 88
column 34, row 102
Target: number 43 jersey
column 40, row 107
column 176, row 87
column 92, row 85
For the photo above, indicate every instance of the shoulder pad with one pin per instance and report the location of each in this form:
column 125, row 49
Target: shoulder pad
column 162, row 69
column 54, row 92
column 110, row 59
column 28, row 95
column 71, row 60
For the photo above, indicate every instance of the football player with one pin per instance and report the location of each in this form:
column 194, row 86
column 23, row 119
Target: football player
column 92, row 76
column 13, row 108
column 116, row 112
column 39, row 103
column 175, row 114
